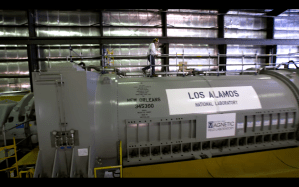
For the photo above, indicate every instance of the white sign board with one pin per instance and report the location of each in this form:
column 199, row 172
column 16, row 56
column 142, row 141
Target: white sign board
column 250, row 124
column 266, row 123
column 240, row 125
column 211, row 100
column 274, row 122
column 258, row 123
column 83, row 152
column 221, row 125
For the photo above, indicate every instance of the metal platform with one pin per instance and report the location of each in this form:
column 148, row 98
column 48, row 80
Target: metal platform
column 30, row 158
column 267, row 164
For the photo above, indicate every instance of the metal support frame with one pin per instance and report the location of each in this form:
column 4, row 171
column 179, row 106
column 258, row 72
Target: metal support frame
column 270, row 35
column 101, row 34
column 222, row 47
column 164, row 34
column 143, row 39
column 31, row 48
column 276, row 12
column 14, row 146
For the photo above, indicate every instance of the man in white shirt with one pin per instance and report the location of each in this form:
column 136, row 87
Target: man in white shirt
column 152, row 53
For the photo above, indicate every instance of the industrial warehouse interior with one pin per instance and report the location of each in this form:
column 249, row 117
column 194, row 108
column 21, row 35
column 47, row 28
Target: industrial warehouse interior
column 149, row 93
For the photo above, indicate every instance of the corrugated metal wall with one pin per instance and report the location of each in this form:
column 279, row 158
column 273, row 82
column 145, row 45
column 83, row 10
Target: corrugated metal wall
column 192, row 49
column 244, row 27
column 198, row 25
column 138, row 22
column 66, row 23
column 13, row 58
column 287, row 27
column 131, row 50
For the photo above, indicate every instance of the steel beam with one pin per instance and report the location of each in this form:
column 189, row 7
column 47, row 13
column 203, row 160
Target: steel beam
column 31, row 48
column 276, row 12
column 270, row 49
column 139, row 40
column 223, row 11
column 101, row 22
column 101, row 34
column 164, row 34
column 222, row 47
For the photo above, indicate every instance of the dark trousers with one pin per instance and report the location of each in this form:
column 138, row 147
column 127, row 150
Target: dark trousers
column 151, row 59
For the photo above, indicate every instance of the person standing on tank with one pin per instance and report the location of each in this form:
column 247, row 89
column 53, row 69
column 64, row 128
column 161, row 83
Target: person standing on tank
column 152, row 54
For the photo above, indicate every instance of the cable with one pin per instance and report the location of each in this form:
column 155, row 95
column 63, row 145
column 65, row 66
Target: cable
column 284, row 162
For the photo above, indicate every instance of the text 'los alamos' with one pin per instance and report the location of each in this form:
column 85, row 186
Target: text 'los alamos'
column 212, row 94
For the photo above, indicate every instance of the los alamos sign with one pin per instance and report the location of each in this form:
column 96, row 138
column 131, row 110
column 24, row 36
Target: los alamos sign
column 214, row 99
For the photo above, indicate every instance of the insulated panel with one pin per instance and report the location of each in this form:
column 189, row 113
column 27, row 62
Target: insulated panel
column 193, row 10
column 66, row 18
column 244, row 22
column 132, row 31
column 128, row 49
column 132, row 62
column 192, row 20
column 131, row 18
column 192, row 49
column 13, row 52
column 244, row 49
column 286, row 26
column 87, row 50
column 229, row 33
column 286, row 23
column 13, row 32
column 286, row 49
column 286, row 34
column 13, row 17
column 205, row 33
column 54, row 31
column 14, row 84
column 9, row 17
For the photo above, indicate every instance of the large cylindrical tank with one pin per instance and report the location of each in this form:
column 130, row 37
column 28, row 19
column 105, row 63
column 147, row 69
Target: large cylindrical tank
column 158, row 120
column 169, row 115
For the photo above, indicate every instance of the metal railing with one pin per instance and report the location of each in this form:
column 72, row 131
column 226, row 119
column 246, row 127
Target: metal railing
column 14, row 146
column 183, row 56
column 29, row 173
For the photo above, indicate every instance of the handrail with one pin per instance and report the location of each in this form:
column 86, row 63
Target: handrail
column 15, row 148
column 29, row 173
column 111, row 167
column 178, row 55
